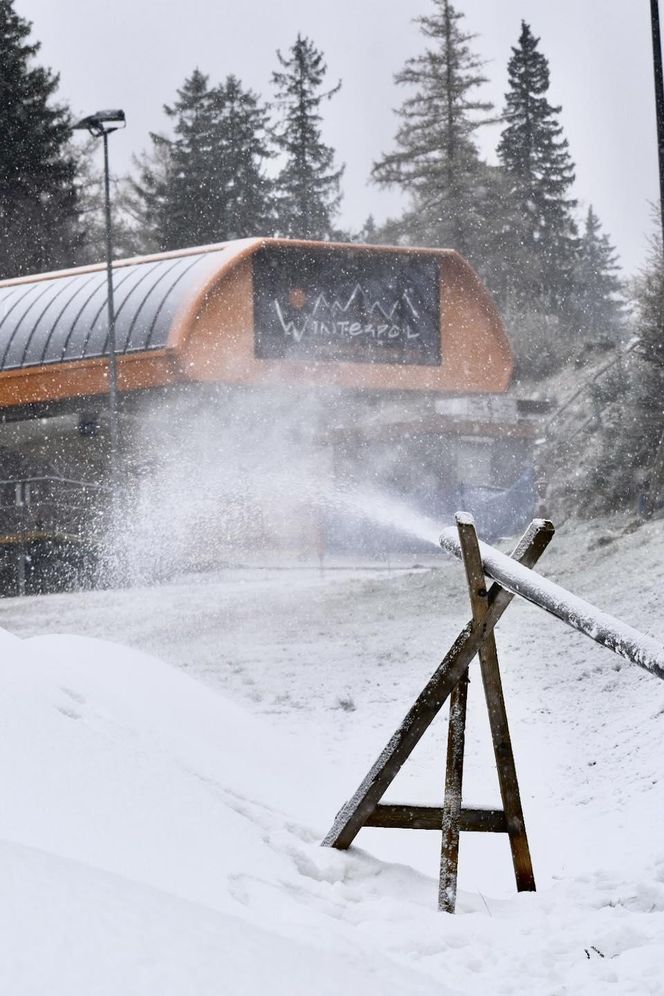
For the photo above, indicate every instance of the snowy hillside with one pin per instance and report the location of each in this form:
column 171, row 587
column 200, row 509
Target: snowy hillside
column 161, row 819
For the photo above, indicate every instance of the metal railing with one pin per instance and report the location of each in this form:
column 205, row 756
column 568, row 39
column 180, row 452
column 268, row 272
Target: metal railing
column 46, row 504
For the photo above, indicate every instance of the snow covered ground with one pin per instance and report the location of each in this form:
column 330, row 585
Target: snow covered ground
column 164, row 794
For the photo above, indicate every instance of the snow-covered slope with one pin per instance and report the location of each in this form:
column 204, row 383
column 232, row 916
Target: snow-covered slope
column 68, row 928
column 147, row 844
column 159, row 831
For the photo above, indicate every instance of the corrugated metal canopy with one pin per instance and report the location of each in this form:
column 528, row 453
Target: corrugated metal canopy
column 194, row 316
column 65, row 317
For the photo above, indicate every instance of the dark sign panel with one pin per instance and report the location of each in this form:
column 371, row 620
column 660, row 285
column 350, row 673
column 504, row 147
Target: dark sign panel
column 345, row 304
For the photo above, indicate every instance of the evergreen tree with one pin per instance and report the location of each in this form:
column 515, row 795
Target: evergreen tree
column 436, row 161
column 599, row 294
column 535, row 156
column 242, row 122
column 308, row 186
column 642, row 448
column 207, row 184
column 369, row 233
column 146, row 197
column 649, row 300
column 623, row 450
column 39, row 224
column 126, row 234
column 173, row 188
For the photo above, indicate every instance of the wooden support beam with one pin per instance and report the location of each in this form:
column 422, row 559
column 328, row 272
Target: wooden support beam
column 495, row 700
column 356, row 812
column 397, row 816
column 450, row 826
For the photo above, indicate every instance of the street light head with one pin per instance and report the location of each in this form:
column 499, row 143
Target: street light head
column 101, row 123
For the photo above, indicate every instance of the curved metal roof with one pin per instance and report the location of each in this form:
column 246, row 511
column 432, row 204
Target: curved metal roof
column 191, row 316
column 64, row 317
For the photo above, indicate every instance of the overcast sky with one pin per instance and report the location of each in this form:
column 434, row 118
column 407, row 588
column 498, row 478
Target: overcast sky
column 134, row 54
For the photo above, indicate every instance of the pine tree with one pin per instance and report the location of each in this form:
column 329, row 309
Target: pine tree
column 174, row 179
column 535, row 156
column 649, row 299
column 146, row 196
column 437, row 161
column 599, row 293
column 624, row 449
column 127, row 239
column 242, row 127
column 644, row 403
column 39, row 223
column 369, row 233
column 308, row 186
column 207, row 184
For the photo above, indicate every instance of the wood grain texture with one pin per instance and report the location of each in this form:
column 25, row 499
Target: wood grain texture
column 500, row 734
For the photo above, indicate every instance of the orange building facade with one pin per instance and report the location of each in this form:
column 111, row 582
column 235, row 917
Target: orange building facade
column 256, row 312
column 403, row 351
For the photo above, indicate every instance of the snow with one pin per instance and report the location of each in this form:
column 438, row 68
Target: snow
column 69, row 928
column 161, row 819
column 137, row 857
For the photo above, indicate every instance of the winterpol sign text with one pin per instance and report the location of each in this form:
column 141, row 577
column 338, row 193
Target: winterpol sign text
column 309, row 304
column 348, row 320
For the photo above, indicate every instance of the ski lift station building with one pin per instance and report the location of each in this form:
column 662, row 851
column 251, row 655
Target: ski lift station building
column 393, row 353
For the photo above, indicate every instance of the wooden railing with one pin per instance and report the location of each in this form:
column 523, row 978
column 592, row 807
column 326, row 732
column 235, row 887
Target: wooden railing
column 601, row 627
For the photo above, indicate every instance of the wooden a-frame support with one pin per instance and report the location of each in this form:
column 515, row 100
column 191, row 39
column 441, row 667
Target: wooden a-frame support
column 450, row 680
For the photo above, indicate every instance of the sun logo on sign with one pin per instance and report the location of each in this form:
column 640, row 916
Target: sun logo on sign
column 297, row 298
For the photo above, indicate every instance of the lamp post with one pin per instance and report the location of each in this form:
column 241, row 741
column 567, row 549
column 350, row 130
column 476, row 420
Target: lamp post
column 101, row 125
column 659, row 98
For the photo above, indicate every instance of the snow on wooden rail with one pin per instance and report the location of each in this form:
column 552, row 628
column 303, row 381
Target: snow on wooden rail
column 553, row 598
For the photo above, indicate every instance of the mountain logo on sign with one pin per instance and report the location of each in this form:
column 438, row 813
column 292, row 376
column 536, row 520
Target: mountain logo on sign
column 366, row 311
